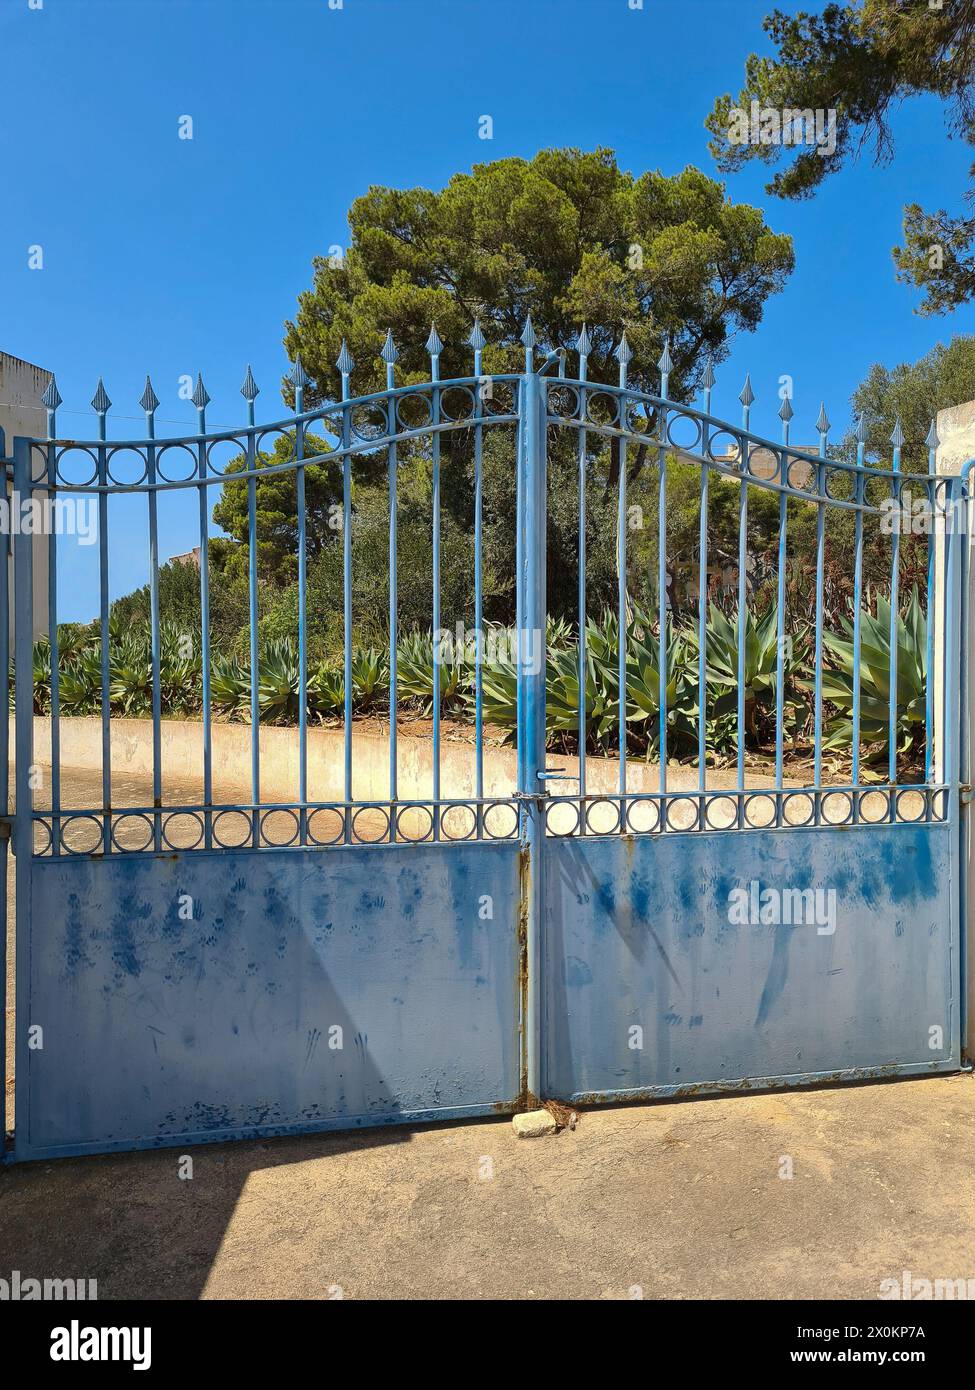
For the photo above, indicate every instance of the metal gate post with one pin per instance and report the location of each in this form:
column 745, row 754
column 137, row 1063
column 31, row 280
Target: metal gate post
column 23, row 548
column 532, row 506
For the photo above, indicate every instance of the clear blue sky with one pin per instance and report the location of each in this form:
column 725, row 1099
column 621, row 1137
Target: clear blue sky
column 173, row 256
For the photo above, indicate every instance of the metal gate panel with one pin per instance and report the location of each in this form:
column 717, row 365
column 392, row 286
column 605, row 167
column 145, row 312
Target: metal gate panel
column 160, row 1030
column 637, row 936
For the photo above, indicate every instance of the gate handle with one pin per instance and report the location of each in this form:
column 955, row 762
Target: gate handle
column 556, row 774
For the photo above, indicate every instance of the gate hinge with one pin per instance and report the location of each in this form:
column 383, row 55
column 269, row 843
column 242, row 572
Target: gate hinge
column 965, row 795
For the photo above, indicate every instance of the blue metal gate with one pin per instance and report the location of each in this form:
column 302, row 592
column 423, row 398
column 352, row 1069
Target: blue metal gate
column 207, row 968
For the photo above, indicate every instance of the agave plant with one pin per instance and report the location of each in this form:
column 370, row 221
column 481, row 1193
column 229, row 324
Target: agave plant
column 912, row 662
column 41, row 662
column 230, row 684
column 326, row 690
column 370, row 677
column 760, row 667
column 414, row 674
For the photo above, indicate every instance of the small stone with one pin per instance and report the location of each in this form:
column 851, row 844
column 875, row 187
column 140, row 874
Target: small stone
column 533, row 1124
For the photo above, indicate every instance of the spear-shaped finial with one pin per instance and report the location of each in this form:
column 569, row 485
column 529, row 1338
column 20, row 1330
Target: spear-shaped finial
column 860, row 433
column 201, row 396
column 149, row 400
column 250, row 389
column 897, row 437
column 623, row 355
column 345, row 361
column 709, row 378
column 932, row 441
column 665, row 366
column 434, row 345
column 529, row 339
column 822, row 424
column 52, row 396
column 298, row 377
column 389, row 353
column 785, row 415
column 100, row 402
column 747, row 394
column 477, row 339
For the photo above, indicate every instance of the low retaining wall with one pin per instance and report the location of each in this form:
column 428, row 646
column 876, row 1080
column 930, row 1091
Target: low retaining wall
column 182, row 761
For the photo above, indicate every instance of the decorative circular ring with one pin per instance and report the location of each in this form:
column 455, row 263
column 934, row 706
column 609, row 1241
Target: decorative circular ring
column 371, row 810
column 563, row 401
column 235, row 449
column 265, row 457
column 462, row 808
column 68, row 821
column 720, row 824
column 801, row 475
column 419, row 811
column 67, row 454
column 131, row 816
column 370, row 421
column 413, row 412
column 263, row 824
column 691, row 443
column 558, row 803
column 193, row 816
column 727, row 448
column 457, row 403
column 873, row 806
column 176, row 449
column 796, row 800
column 759, row 799
column 764, row 463
column 916, row 799
column 592, row 805
column 671, row 804
column 637, row 806
column 843, row 801
column 501, row 806
column 218, row 830
column 116, row 460
column 939, row 804
column 603, row 409
column 339, row 813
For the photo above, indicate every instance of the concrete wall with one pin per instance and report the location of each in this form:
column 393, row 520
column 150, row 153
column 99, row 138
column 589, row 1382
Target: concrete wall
column 21, row 413
column 182, row 762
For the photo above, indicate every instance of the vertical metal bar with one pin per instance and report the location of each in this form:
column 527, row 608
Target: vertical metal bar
column 206, row 711
column 746, row 399
column 785, row 411
column 897, row 439
column 433, row 347
column 252, row 611
column 5, row 785
column 622, row 629
column 857, row 602
column 476, row 341
column 665, row 365
column 298, row 381
column 101, row 403
column 932, row 499
column 345, row 365
column 584, row 345
column 23, row 830
column 52, row 627
column 822, row 425
column 531, row 696
column 390, row 355
column 149, row 404
column 702, row 602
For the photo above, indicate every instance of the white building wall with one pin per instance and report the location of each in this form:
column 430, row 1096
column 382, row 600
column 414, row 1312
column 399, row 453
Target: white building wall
column 21, row 413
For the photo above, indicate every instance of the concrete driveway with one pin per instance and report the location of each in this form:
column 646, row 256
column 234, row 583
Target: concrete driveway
column 674, row 1200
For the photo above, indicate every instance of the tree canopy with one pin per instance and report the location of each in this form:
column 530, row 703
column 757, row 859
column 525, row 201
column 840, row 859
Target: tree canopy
column 567, row 237
column 859, row 59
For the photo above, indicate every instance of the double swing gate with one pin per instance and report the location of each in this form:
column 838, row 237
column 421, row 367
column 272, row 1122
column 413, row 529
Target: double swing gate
column 195, row 966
